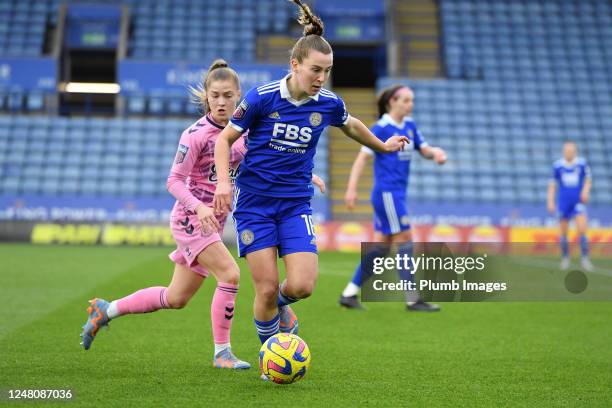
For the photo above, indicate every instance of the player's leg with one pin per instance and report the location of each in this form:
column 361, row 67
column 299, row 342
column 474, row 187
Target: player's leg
column 564, row 243
column 414, row 302
column 383, row 232
column 264, row 270
column 216, row 259
column 582, row 226
column 183, row 286
column 257, row 237
column 301, row 270
column 297, row 243
column 187, row 277
column 349, row 297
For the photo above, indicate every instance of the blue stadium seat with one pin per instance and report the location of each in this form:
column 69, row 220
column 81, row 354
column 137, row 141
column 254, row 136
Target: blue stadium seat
column 136, row 104
column 157, row 103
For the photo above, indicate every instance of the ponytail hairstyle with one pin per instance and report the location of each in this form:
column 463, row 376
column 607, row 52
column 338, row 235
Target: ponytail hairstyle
column 385, row 96
column 312, row 37
column 218, row 71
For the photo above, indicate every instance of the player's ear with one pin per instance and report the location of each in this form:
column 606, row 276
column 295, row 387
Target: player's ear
column 294, row 65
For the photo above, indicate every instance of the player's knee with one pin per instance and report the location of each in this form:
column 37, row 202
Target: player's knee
column 177, row 302
column 231, row 274
column 268, row 293
column 304, row 290
column 404, row 236
column 300, row 290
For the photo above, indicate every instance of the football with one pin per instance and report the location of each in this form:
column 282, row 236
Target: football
column 284, row 358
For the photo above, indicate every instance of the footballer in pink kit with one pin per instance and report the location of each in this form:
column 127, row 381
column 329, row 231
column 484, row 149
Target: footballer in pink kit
column 195, row 227
column 195, row 164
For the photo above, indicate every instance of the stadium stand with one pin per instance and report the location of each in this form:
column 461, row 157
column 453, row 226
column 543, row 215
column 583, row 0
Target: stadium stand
column 93, row 156
column 522, row 77
column 201, row 30
column 23, row 25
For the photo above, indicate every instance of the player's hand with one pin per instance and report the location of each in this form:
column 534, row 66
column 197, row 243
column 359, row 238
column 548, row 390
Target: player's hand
column 551, row 208
column 584, row 197
column 208, row 221
column 395, row 143
column 439, row 155
column 350, row 199
column 222, row 201
column 319, row 182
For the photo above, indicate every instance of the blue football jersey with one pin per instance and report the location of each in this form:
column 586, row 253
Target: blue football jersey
column 283, row 136
column 392, row 170
column 570, row 178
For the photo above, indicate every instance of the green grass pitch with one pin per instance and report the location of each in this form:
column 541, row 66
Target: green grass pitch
column 470, row 354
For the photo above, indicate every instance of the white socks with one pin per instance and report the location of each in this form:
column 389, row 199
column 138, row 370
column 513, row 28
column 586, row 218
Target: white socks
column 350, row 290
column 112, row 310
column 220, row 347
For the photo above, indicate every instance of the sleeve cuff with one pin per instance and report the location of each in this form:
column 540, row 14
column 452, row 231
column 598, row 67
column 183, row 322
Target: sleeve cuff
column 348, row 117
column 367, row 150
column 423, row 144
column 236, row 127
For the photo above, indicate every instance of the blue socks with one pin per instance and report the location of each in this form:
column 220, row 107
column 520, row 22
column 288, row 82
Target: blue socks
column 265, row 330
column 406, row 249
column 284, row 300
column 377, row 251
column 564, row 246
column 584, row 245
column 357, row 275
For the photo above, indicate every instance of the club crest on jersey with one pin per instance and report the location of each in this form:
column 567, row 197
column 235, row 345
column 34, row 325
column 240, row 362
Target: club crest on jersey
column 181, row 153
column 315, row 119
column 247, row 237
column 241, row 109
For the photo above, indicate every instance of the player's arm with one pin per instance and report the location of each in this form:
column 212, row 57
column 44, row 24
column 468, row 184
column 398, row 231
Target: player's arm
column 433, row 153
column 586, row 190
column 357, row 131
column 350, row 197
column 319, row 182
column 186, row 158
column 222, row 201
column 552, row 191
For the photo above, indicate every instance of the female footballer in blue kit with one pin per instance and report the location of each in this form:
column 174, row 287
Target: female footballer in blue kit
column 568, row 195
column 391, row 174
column 273, row 217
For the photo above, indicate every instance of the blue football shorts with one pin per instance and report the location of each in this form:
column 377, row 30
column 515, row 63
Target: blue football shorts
column 390, row 212
column 281, row 222
column 569, row 210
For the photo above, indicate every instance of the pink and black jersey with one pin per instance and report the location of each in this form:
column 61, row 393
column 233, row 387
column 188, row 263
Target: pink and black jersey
column 193, row 177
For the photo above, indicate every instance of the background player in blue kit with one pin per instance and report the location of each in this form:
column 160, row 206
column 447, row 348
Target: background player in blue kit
column 273, row 217
column 391, row 174
column 569, row 189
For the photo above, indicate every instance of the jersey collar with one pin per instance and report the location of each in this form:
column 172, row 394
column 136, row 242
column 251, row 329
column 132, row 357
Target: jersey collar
column 212, row 122
column 569, row 163
column 284, row 92
column 389, row 120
